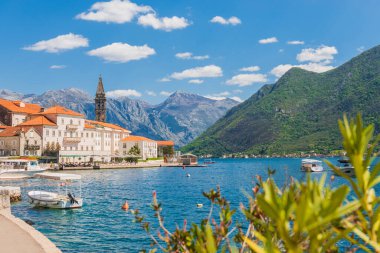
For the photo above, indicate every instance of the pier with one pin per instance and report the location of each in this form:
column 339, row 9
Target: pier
column 17, row 236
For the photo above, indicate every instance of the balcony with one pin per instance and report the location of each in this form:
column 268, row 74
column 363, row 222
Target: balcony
column 71, row 139
column 72, row 127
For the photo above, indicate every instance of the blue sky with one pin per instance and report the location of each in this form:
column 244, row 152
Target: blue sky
column 223, row 48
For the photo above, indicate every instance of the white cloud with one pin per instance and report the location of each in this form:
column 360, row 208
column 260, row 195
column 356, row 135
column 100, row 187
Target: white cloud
column 115, row 11
column 296, row 42
column 214, row 97
column 196, row 81
column 57, row 67
column 230, row 21
column 317, row 59
column 59, row 44
column 360, row 49
column 166, row 93
column 223, row 95
column 123, row 93
column 322, row 53
column 122, row 52
column 198, row 72
column 268, row 40
column 151, row 93
column 188, row 56
column 238, row 99
column 250, row 69
column 167, row 24
column 281, row 69
column 281, row 50
column 164, row 80
column 247, row 79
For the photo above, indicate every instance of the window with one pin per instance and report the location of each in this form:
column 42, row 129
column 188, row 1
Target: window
column 53, row 132
column 59, row 133
column 31, row 134
column 2, row 143
column 63, row 121
column 47, row 132
column 35, row 142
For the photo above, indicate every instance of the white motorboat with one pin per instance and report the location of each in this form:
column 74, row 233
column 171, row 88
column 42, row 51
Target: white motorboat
column 24, row 166
column 311, row 165
column 57, row 200
column 346, row 167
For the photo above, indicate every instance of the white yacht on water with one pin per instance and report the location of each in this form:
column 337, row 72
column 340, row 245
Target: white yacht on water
column 24, row 166
column 311, row 165
column 63, row 198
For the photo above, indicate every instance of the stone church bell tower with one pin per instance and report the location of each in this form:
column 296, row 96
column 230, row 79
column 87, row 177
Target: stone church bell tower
column 100, row 102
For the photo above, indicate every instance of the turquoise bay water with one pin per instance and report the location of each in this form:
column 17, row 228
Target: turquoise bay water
column 101, row 225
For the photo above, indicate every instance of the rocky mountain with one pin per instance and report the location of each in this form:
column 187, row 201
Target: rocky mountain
column 181, row 117
column 299, row 112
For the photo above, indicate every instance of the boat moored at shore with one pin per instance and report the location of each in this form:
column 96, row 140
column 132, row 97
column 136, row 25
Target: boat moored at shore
column 345, row 166
column 57, row 200
column 24, row 166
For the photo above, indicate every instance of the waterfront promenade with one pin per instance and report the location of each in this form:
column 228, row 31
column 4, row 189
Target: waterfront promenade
column 16, row 236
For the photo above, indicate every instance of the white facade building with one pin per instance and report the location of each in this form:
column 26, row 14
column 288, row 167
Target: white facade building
column 148, row 147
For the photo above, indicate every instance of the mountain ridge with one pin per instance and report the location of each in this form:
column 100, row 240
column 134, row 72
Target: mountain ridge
column 299, row 112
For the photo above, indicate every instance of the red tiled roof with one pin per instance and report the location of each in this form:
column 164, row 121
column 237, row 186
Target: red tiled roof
column 103, row 124
column 13, row 131
column 20, row 107
column 61, row 110
column 38, row 121
column 88, row 126
column 137, row 138
column 165, row 143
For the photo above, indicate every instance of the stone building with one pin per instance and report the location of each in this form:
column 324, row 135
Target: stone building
column 20, row 141
column 100, row 102
column 13, row 113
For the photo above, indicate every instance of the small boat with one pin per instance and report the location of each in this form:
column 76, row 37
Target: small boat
column 345, row 166
column 57, row 200
column 311, row 165
column 208, row 161
column 24, row 166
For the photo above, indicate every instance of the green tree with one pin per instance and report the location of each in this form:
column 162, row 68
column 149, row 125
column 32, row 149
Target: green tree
column 135, row 150
column 168, row 150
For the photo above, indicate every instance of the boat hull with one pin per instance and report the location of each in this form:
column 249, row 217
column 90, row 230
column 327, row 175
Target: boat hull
column 53, row 200
column 349, row 171
column 312, row 169
column 27, row 172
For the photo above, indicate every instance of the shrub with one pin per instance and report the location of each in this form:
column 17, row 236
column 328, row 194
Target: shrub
column 308, row 216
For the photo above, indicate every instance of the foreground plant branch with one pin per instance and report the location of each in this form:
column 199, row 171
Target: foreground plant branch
column 309, row 216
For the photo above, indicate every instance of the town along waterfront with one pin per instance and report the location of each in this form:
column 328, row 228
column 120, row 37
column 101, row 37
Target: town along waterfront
column 102, row 226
